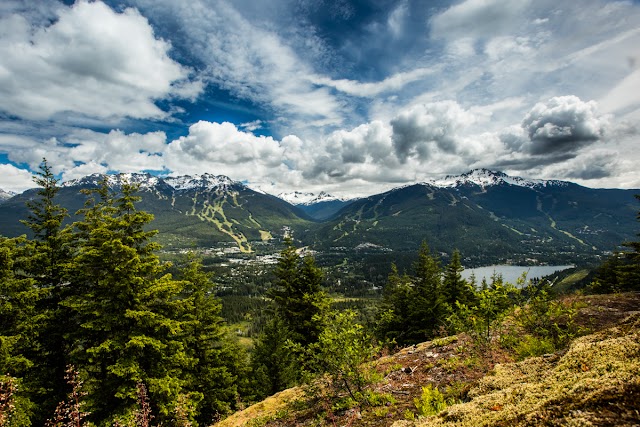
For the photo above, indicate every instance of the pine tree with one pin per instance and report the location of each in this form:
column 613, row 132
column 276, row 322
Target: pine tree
column 274, row 365
column 125, row 306
column 455, row 287
column 630, row 272
column 427, row 309
column 19, row 321
column 219, row 363
column 394, row 310
column 298, row 295
column 49, row 259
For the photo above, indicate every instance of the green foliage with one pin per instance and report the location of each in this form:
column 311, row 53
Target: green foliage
column 342, row 352
column 125, row 307
column 212, row 381
column 431, row 402
column 298, row 295
column 414, row 307
column 275, row 363
column 483, row 318
column 542, row 325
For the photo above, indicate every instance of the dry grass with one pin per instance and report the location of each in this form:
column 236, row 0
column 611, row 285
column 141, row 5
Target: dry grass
column 596, row 382
column 262, row 412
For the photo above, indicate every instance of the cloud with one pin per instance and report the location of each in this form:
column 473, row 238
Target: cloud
column 15, row 179
column 563, row 124
column 222, row 148
column 590, row 166
column 251, row 60
column 423, row 128
column 478, row 18
column 369, row 89
column 90, row 61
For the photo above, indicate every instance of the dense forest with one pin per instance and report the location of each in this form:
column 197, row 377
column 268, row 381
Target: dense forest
column 96, row 330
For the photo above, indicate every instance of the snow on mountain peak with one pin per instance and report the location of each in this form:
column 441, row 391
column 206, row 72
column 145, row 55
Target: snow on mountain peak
column 206, row 180
column 144, row 180
column 300, row 198
column 486, row 178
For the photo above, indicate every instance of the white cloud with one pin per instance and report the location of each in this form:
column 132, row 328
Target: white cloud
column 90, row 61
column 478, row 18
column 421, row 129
column 15, row 179
column 394, row 82
column 563, row 124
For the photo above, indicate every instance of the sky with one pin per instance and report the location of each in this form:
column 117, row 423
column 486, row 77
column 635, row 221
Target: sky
column 352, row 97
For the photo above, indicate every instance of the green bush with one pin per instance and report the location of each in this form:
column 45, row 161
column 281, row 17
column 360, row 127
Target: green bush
column 531, row 346
column 431, row 402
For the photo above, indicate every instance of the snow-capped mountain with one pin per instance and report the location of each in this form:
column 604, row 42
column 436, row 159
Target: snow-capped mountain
column 5, row 195
column 486, row 178
column 147, row 181
column 306, row 199
column 204, row 181
column 144, row 180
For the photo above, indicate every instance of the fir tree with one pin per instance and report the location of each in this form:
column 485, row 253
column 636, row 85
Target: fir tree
column 49, row 259
column 456, row 289
column 298, row 295
column 395, row 307
column 427, row 309
column 630, row 272
column 126, row 308
column 213, row 379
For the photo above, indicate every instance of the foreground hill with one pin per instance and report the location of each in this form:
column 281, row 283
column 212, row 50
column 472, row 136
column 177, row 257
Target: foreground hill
column 486, row 213
column 189, row 211
column 595, row 382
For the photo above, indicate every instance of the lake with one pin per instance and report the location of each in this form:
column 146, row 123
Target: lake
column 511, row 273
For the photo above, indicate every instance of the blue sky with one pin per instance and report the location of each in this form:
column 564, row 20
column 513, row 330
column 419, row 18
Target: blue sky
column 350, row 97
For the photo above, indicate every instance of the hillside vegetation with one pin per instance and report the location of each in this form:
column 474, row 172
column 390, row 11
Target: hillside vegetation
column 594, row 381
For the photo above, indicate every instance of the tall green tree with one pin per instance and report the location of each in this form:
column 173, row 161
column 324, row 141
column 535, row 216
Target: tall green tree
column 49, row 258
column 214, row 379
column 19, row 322
column 126, row 307
column 427, row 309
column 455, row 288
column 298, row 295
column 395, row 308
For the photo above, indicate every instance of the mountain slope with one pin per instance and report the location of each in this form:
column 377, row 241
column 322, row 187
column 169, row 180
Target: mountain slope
column 198, row 210
column 489, row 215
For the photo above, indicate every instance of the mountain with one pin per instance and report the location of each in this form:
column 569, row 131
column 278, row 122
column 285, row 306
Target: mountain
column 489, row 216
column 320, row 206
column 196, row 210
column 6, row 195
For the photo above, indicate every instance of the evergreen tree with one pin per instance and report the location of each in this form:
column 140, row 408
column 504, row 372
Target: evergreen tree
column 49, row 259
column 394, row 310
column 274, row 364
column 20, row 323
column 219, row 362
column 298, row 295
column 427, row 309
column 455, row 287
column 630, row 272
column 45, row 221
column 126, row 308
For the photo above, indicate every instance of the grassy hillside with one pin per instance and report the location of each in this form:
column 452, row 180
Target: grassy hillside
column 595, row 381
